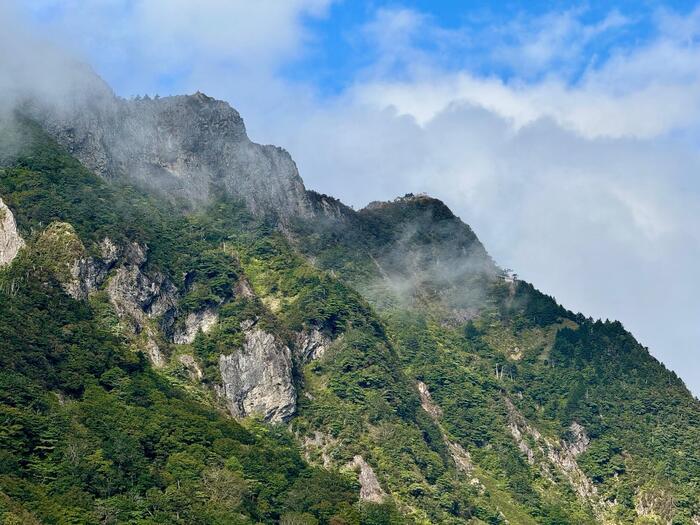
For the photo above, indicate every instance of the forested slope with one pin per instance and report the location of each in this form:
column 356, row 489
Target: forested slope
column 164, row 361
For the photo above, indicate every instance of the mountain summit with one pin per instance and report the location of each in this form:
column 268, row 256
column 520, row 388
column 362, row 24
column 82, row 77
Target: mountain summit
column 188, row 335
column 184, row 147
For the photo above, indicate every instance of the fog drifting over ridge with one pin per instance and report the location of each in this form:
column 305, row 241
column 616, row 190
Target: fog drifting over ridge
column 587, row 188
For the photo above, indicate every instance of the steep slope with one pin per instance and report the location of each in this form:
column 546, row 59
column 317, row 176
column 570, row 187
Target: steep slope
column 384, row 346
column 194, row 293
column 187, row 148
column 93, row 430
column 546, row 401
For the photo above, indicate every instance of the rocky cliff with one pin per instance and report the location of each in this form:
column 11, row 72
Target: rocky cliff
column 185, row 147
column 257, row 379
column 372, row 335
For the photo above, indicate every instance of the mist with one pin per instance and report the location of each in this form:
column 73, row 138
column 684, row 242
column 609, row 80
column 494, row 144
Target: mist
column 37, row 71
column 586, row 185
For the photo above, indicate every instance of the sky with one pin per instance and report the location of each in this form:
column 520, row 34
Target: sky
column 566, row 134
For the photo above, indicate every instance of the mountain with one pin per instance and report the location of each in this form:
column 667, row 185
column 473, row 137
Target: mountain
column 188, row 335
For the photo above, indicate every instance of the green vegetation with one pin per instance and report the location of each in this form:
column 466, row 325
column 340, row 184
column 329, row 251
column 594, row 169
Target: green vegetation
column 518, row 344
column 403, row 292
column 91, row 432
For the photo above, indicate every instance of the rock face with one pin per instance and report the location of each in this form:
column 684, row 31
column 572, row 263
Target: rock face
column 370, row 489
column 10, row 240
column 311, row 345
column 136, row 295
column 579, row 440
column 426, row 401
column 183, row 146
column 461, row 457
column 195, row 322
column 88, row 273
column 556, row 455
column 257, row 379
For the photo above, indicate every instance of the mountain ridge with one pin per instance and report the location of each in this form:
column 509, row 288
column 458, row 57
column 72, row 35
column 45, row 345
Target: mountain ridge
column 409, row 378
column 184, row 146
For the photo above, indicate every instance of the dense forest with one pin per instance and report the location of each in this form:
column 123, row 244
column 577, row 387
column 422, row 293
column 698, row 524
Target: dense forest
column 447, row 391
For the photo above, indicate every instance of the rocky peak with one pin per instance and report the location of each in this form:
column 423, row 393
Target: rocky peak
column 409, row 199
column 187, row 147
column 426, row 254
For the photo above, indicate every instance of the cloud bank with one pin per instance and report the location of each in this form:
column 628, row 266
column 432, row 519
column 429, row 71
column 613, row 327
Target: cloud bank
column 573, row 154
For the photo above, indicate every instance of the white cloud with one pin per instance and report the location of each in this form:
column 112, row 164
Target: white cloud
column 584, row 188
column 33, row 68
column 640, row 92
column 557, row 39
column 142, row 42
column 587, row 187
column 593, row 108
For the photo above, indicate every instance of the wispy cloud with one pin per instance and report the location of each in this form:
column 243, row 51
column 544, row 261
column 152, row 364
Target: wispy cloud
column 571, row 151
column 148, row 44
column 639, row 92
column 586, row 184
column 557, row 40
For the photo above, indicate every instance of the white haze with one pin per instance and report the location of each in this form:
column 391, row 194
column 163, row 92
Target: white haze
column 588, row 189
column 34, row 68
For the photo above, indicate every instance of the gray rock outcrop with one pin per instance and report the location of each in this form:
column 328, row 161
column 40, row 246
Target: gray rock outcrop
column 426, row 401
column 257, row 379
column 137, row 295
column 578, row 441
column 10, row 240
column 88, row 273
column 557, row 455
column 195, row 322
column 370, row 489
column 182, row 146
column 311, row 345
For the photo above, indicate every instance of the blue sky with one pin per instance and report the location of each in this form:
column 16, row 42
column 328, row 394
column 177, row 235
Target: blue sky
column 566, row 134
column 336, row 50
column 338, row 54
